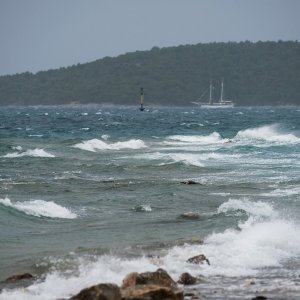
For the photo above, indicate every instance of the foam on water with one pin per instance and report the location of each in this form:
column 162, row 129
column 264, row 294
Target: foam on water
column 283, row 192
column 213, row 138
column 142, row 208
column 257, row 209
column 96, row 145
column 58, row 285
column 262, row 241
column 192, row 159
column 40, row 208
column 268, row 133
column 32, row 153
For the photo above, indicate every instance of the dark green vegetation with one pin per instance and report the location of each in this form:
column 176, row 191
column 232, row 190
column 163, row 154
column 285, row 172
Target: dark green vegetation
column 262, row 73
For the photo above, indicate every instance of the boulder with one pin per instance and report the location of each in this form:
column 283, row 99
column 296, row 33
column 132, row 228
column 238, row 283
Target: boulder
column 129, row 280
column 159, row 277
column 18, row 277
column 198, row 259
column 151, row 292
column 103, row 291
column 187, row 279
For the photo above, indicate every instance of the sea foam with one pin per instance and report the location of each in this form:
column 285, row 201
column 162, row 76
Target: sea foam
column 269, row 133
column 263, row 240
column 58, row 285
column 213, row 138
column 40, row 208
column 33, row 153
column 191, row 159
column 96, row 145
column 257, row 244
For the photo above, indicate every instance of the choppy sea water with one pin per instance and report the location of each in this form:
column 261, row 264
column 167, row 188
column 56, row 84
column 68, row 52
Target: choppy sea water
column 89, row 194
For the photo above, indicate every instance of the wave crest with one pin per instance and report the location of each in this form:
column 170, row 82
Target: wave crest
column 212, row 138
column 257, row 209
column 31, row 152
column 40, row 208
column 269, row 133
column 96, row 144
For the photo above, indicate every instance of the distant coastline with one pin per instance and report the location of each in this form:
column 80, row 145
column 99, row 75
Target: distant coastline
column 262, row 73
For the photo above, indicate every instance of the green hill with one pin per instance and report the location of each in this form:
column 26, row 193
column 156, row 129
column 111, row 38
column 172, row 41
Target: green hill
column 262, row 73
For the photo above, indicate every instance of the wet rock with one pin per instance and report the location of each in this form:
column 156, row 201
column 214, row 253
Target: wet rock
column 18, row 277
column 159, row 277
column 103, row 291
column 187, row 279
column 198, row 259
column 189, row 182
column 190, row 215
column 129, row 280
column 151, row 292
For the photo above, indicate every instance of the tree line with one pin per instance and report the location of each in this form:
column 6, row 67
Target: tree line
column 261, row 73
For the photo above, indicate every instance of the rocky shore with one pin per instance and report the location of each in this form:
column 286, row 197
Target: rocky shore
column 156, row 285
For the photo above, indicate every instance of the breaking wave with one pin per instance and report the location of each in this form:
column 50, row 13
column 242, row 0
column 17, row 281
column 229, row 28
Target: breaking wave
column 269, row 133
column 257, row 209
column 96, row 145
column 191, row 159
column 213, row 138
column 245, row 251
column 40, row 208
column 33, row 153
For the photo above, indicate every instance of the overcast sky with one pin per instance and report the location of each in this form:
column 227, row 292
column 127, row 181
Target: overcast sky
column 47, row 34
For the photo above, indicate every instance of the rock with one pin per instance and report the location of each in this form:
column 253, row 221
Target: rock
column 151, row 292
column 251, row 282
column 187, row 279
column 259, row 298
column 199, row 259
column 103, row 291
column 189, row 182
column 18, row 277
column 129, row 280
column 190, row 215
column 159, row 277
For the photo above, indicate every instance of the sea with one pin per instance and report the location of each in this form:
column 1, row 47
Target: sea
column 89, row 194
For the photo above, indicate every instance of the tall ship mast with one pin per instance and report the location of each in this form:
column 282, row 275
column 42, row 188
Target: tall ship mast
column 219, row 104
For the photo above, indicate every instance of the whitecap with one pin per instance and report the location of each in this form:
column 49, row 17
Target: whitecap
column 40, row 208
column 213, row 138
column 18, row 148
column 90, row 272
column 191, row 159
column 96, row 144
column 31, row 152
column 171, row 158
column 263, row 240
column 105, row 137
column 142, row 208
column 283, row 192
column 269, row 133
column 257, row 209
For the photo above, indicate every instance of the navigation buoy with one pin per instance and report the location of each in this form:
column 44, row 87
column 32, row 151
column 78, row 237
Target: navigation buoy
column 142, row 99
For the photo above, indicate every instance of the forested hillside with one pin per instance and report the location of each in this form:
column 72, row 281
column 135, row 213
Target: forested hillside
column 262, row 73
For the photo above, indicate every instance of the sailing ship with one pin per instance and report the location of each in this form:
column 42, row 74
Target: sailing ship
column 211, row 104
